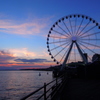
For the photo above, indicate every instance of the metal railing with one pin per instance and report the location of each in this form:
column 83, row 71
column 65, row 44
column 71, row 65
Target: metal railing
column 49, row 90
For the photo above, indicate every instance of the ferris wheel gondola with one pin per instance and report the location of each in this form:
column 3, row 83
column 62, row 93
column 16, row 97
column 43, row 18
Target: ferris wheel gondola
column 71, row 37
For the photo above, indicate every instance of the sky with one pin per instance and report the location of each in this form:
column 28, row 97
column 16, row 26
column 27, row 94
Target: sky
column 24, row 25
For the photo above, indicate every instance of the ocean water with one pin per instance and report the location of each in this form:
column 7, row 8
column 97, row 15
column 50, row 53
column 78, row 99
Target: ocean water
column 16, row 84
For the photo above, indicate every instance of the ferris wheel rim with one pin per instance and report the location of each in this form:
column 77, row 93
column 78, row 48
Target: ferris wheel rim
column 70, row 35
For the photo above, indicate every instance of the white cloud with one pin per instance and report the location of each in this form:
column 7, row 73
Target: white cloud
column 23, row 52
column 35, row 26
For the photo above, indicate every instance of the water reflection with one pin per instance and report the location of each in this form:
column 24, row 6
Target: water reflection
column 16, row 84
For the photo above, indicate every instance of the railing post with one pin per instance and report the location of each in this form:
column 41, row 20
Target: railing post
column 44, row 91
column 56, row 82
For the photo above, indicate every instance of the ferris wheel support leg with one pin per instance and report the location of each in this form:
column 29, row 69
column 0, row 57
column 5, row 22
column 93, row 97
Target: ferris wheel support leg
column 64, row 63
column 82, row 55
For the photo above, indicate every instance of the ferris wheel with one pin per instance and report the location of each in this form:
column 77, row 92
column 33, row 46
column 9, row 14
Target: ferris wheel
column 72, row 38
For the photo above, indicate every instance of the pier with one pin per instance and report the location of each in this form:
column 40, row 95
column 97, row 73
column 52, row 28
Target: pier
column 82, row 89
column 50, row 91
column 67, row 88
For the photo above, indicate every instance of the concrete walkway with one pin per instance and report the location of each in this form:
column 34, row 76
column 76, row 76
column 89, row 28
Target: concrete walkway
column 81, row 89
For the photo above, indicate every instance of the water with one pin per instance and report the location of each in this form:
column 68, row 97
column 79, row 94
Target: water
column 16, row 84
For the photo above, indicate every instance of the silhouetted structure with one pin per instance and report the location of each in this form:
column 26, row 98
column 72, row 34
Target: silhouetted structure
column 96, row 57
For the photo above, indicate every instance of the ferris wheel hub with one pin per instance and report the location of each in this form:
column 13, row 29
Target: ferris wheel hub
column 74, row 38
column 74, row 41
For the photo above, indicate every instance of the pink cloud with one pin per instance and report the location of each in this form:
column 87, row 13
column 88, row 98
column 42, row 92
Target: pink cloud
column 22, row 52
column 6, row 57
column 10, row 60
column 26, row 53
column 26, row 65
column 35, row 26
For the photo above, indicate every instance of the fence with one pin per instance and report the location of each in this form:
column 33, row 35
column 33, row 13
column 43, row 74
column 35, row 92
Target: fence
column 49, row 90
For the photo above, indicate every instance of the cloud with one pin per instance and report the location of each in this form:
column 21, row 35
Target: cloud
column 8, row 60
column 21, row 55
column 22, row 52
column 26, row 53
column 13, row 61
column 35, row 26
column 5, row 56
column 32, row 60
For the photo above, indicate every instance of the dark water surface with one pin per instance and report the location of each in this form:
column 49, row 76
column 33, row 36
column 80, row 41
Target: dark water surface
column 16, row 84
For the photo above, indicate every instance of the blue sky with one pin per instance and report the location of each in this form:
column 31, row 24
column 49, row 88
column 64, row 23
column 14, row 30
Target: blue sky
column 24, row 25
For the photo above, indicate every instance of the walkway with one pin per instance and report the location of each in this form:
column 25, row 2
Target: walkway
column 81, row 89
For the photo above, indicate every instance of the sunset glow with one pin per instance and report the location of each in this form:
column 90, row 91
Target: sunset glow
column 24, row 25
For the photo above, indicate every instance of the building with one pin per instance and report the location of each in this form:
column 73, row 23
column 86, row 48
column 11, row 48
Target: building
column 96, row 57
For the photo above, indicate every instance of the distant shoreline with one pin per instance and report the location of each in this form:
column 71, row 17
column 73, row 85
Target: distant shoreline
column 26, row 70
column 36, row 69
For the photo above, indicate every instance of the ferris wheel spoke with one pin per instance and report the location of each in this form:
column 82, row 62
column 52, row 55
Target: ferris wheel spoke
column 84, row 28
column 75, row 26
column 91, row 44
column 62, row 50
column 91, row 39
column 67, row 28
column 75, row 53
column 69, row 58
column 90, row 34
column 62, row 29
column 63, row 56
column 59, row 33
column 58, row 37
column 87, row 55
column 90, row 58
column 57, row 42
column 87, row 48
column 82, row 49
column 71, row 26
column 58, row 46
column 88, row 30
column 79, row 26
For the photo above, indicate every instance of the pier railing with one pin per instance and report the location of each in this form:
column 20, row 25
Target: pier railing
column 49, row 91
